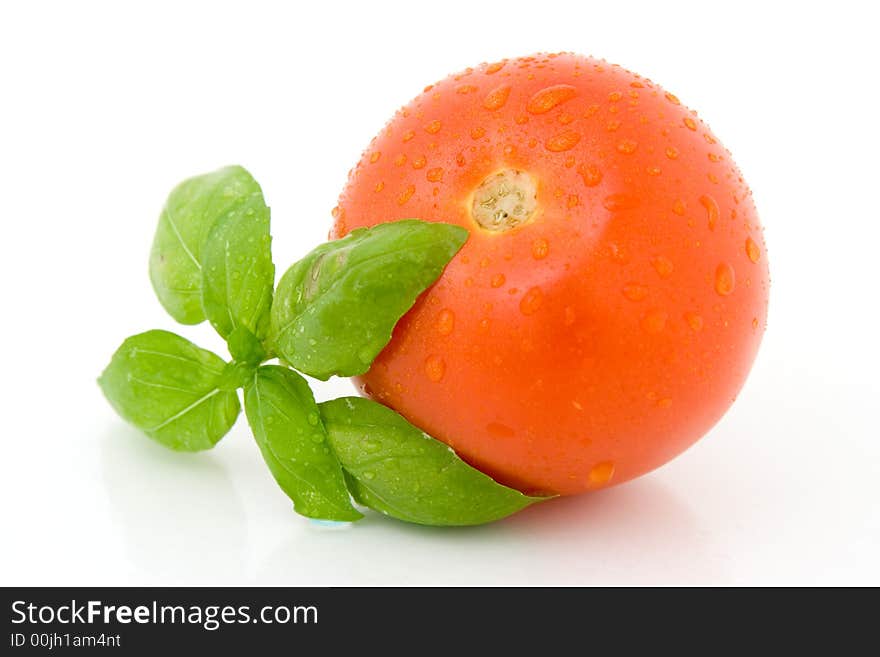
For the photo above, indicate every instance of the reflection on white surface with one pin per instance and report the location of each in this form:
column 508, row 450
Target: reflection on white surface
column 179, row 514
column 602, row 538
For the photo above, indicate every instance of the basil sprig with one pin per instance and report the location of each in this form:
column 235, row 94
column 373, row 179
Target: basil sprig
column 332, row 313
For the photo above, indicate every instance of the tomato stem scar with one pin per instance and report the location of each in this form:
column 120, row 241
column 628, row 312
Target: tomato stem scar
column 505, row 200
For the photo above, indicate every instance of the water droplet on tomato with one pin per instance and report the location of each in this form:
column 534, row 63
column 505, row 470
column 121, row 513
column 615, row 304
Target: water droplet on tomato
column 435, row 368
column 616, row 202
column 672, row 99
column 672, row 152
column 635, row 291
column 531, row 301
column 654, row 321
column 406, row 194
column 419, row 162
column 497, row 280
column 409, row 134
column 445, row 322
column 496, row 98
column 563, row 141
column 618, row 254
column 689, row 123
column 678, row 207
column 752, row 250
column 500, row 430
column 433, row 127
column 494, row 68
column 478, row 132
column 540, row 248
column 379, row 186
column 434, row 175
column 627, row 146
column 374, row 156
column 569, row 316
column 694, row 321
column 725, row 279
column 601, row 473
column 712, row 211
column 590, row 174
column 548, row 98
column 754, row 322
column 663, row 266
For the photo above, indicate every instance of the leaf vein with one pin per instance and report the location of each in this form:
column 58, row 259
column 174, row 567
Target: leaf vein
column 184, row 411
column 180, row 239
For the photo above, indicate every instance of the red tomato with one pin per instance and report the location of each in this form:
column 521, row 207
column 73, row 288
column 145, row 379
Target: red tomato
column 612, row 295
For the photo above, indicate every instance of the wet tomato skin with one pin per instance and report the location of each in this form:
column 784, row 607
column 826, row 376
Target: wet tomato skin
column 608, row 332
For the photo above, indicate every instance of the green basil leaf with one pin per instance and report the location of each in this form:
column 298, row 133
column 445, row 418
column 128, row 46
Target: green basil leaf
column 287, row 426
column 237, row 270
column 334, row 310
column 397, row 469
column 186, row 220
column 170, row 388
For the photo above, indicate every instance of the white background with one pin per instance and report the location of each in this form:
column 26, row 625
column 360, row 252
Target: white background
column 104, row 107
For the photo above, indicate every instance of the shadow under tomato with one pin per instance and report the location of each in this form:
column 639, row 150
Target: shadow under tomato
column 641, row 532
column 179, row 513
column 638, row 533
